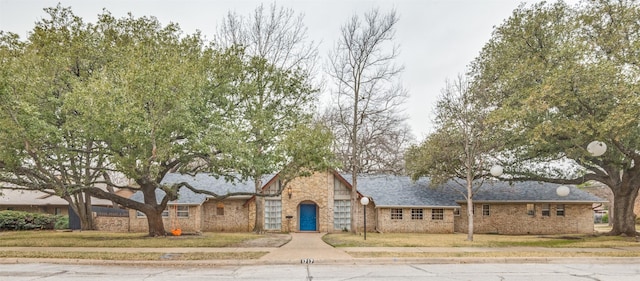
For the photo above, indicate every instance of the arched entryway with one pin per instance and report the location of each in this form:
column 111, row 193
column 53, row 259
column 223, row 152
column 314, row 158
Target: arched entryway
column 308, row 216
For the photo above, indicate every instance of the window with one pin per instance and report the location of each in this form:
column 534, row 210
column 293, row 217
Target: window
column 417, row 214
column 57, row 211
column 485, row 210
column 437, row 214
column 182, row 211
column 220, row 209
column 273, row 214
column 560, row 210
column 140, row 214
column 165, row 213
column 531, row 210
column 342, row 214
column 545, row 210
column 396, row 214
column 456, row 212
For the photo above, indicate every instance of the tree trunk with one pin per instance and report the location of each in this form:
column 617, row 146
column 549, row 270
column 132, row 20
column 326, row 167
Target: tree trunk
column 152, row 209
column 624, row 219
column 86, row 216
column 354, row 204
column 156, row 225
column 469, row 216
column 79, row 206
column 259, row 225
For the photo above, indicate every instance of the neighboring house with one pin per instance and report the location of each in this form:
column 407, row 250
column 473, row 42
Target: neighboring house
column 39, row 202
column 32, row 201
column 321, row 203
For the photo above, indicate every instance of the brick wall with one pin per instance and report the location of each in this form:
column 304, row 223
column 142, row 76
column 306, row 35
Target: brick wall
column 186, row 224
column 235, row 217
column 371, row 217
column 112, row 224
column 407, row 224
column 317, row 189
column 513, row 219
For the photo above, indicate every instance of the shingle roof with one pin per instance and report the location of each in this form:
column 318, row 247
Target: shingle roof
column 393, row 191
column 201, row 181
column 387, row 190
column 29, row 198
column 532, row 191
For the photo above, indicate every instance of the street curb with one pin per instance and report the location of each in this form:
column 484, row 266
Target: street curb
column 354, row 261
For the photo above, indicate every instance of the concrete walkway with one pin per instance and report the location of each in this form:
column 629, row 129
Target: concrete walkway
column 305, row 246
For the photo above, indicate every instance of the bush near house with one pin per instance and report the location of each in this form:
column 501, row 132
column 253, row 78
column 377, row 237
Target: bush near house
column 18, row 220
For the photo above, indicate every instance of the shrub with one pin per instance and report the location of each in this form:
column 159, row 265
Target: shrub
column 62, row 222
column 605, row 218
column 18, row 220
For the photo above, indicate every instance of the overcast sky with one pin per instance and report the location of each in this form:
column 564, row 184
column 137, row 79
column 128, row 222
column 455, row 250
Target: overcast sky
column 437, row 39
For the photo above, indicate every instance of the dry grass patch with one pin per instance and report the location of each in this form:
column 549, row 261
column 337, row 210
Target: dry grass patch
column 133, row 256
column 480, row 240
column 119, row 240
column 507, row 254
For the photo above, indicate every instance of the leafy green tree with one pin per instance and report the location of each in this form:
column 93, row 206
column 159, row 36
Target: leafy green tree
column 461, row 150
column 559, row 77
column 39, row 148
column 145, row 100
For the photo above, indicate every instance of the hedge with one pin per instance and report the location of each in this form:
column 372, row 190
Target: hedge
column 18, row 220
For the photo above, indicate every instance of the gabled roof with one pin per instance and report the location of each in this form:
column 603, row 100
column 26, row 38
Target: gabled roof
column 201, row 181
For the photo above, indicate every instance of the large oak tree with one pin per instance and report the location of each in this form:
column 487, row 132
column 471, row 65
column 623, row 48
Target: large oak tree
column 559, row 77
column 149, row 100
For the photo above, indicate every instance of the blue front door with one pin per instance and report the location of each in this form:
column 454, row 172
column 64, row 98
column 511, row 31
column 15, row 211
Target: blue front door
column 307, row 217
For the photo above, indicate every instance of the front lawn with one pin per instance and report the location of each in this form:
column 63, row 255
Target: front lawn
column 119, row 240
column 480, row 240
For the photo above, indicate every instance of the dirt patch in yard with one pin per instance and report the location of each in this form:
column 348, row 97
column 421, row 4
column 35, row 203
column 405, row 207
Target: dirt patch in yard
column 269, row 240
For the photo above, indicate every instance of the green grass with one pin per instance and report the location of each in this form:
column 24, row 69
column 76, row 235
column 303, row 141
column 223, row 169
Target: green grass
column 119, row 240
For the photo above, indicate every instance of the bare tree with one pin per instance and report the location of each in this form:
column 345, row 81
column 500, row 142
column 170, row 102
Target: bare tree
column 278, row 38
column 368, row 96
column 463, row 147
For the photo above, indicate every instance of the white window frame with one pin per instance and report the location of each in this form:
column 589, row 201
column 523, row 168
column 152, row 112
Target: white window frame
column 437, row 214
column 546, row 210
column 396, row 213
column 182, row 211
column 531, row 210
column 486, row 210
column 417, row 214
column 561, row 210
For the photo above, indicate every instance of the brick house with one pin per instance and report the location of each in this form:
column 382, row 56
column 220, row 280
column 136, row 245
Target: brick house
column 321, row 203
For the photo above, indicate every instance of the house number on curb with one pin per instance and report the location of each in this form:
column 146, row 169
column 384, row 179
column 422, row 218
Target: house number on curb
column 308, row 262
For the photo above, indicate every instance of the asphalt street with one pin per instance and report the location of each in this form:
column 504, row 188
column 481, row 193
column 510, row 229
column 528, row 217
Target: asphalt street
column 476, row 272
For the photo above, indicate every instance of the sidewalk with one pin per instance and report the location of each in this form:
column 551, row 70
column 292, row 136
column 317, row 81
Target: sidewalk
column 310, row 246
